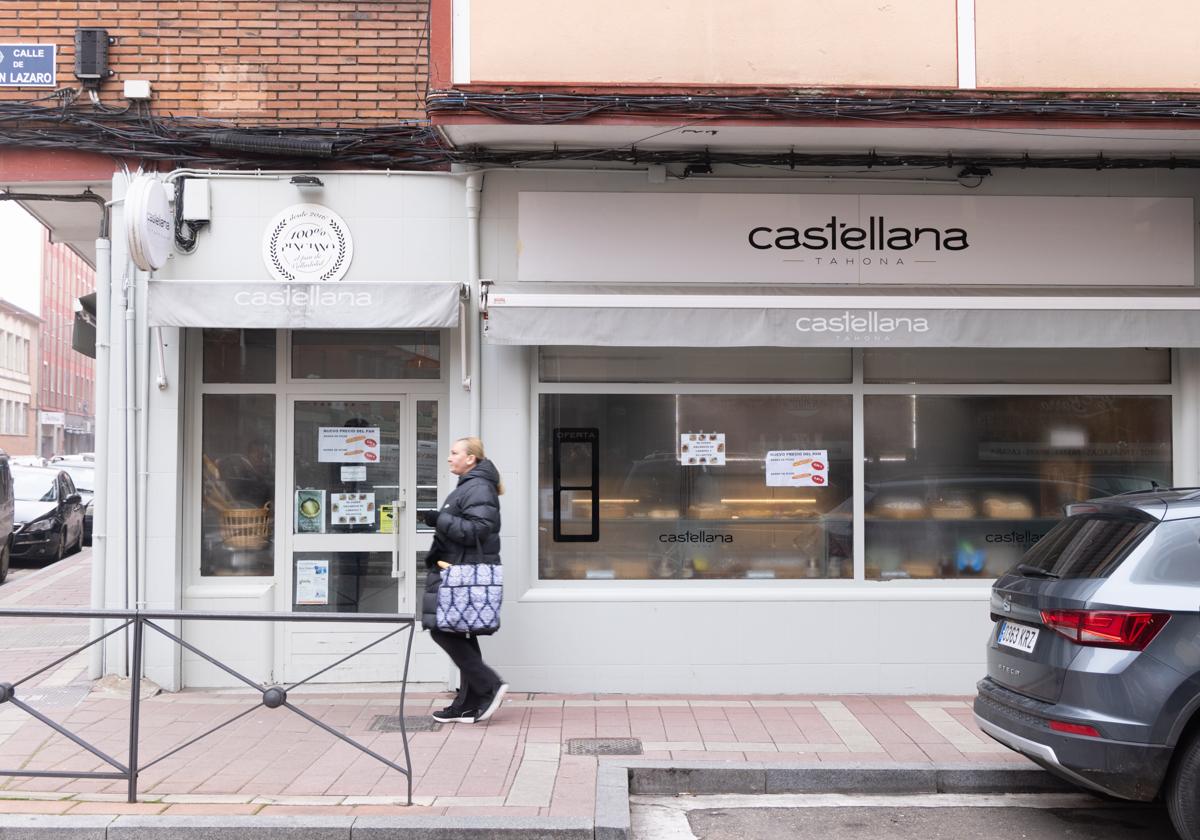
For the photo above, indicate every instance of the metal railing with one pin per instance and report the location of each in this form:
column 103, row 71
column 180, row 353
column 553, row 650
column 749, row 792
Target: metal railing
column 271, row 696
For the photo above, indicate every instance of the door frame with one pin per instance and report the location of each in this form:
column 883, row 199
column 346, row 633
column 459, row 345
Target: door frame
column 285, row 391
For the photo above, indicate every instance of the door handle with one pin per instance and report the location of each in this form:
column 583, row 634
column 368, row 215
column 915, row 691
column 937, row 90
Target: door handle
column 400, row 504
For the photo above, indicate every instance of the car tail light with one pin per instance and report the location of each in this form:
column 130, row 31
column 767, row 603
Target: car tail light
column 1106, row 628
column 1074, row 728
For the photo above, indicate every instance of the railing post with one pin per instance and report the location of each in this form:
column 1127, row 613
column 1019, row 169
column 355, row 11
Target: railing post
column 135, row 705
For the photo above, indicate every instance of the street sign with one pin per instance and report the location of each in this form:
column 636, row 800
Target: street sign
column 27, row 65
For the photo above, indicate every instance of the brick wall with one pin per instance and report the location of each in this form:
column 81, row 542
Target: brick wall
column 251, row 61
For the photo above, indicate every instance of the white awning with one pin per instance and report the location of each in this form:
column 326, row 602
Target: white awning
column 570, row 314
column 270, row 305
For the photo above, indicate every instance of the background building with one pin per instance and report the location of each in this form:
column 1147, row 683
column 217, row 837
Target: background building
column 67, row 401
column 19, row 331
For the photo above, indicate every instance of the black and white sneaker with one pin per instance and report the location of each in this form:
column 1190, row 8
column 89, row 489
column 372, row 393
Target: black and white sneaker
column 491, row 704
column 453, row 714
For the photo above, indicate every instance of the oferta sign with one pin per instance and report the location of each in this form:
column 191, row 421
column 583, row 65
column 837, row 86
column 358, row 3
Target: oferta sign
column 848, row 240
column 27, row 65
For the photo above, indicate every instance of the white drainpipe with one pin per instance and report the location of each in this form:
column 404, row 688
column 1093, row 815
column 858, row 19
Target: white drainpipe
column 474, row 197
column 100, row 494
column 130, row 418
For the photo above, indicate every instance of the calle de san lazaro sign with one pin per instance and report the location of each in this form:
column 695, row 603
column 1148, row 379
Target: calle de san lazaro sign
column 27, row 65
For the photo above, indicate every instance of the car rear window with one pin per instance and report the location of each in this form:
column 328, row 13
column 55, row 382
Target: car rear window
column 1087, row 546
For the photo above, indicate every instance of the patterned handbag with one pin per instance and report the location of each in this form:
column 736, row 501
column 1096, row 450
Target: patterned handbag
column 468, row 600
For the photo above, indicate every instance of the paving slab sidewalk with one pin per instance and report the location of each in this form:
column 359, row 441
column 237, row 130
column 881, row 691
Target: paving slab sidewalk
column 521, row 765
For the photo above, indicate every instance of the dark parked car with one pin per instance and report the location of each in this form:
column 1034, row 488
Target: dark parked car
column 48, row 514
column 84, row 476
column 6, row 515
column 1094, row 660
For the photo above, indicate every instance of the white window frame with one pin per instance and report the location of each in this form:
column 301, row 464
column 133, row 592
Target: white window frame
column 858, row 587
column 284, row 390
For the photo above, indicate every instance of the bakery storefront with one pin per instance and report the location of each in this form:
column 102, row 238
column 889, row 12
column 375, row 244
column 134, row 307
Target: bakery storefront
column 784, row 442
column 307, row 348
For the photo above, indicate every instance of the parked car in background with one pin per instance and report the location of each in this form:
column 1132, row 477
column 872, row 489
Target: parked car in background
column 6, row 515
column 27, row 460
column 83, row 473
column 47, row 513
column 1094, row 661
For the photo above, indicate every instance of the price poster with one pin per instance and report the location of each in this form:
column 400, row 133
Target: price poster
column 343, row 445
column 705, row 449
column 798, row 468
column 312, row 582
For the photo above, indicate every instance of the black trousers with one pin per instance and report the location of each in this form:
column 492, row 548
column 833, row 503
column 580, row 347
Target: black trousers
column 478, row 681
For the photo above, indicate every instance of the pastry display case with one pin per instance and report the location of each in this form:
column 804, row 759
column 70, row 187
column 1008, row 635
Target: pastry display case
column 947, row 527
column 666, row 520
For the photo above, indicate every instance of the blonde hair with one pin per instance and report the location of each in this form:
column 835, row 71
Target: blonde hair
column 475, row 447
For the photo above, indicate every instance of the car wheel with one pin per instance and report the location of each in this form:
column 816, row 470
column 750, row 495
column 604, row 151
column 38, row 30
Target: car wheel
column 1183, row 789
column 62, row 547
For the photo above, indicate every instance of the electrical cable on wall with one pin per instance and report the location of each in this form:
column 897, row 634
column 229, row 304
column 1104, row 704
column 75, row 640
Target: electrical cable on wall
column 136, row 131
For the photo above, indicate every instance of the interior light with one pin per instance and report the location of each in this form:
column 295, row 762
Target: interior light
column 768, row 501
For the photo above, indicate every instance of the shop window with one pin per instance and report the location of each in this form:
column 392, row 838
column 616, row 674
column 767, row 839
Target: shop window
column 366, row 354
column 1107, row 366
column 239, row 356
column 725, row 365
column 961, row 486
column 694, row 486
column 238, row 504
column 343, row 582
column 346, row 467
column 428, row 464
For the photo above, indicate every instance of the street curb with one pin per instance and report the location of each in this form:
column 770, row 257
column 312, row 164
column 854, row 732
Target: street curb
column 44, row 827
column 616, row 781
column 664, row 778
column 472, row 828
column 314, row 827
column 612, row 819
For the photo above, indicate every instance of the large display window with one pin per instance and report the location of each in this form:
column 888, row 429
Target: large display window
column 962, row 486
column 689, row 486
column 934, row 463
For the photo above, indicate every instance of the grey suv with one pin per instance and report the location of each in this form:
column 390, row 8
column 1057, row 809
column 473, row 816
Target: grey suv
column 1094, row 660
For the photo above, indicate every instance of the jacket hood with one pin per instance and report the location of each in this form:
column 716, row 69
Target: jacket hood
column 484, row 470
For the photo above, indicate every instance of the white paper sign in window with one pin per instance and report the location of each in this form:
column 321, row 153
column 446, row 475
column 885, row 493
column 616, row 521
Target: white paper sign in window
column 798, row 468
column 702, row 449
column 348, row 445
column 352, row 508
column 312, row 582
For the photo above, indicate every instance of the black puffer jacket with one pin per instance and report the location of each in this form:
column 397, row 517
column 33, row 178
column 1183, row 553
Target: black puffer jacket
column 468, row 531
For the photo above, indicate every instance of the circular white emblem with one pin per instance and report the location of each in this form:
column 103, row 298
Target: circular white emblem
column 149, row 226
column 307, row 242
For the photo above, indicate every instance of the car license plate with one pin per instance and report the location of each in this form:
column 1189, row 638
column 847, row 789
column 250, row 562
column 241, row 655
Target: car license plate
column 1018, row 636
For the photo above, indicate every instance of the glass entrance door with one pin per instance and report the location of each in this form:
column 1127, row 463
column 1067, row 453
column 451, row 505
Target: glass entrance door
column 351, row 531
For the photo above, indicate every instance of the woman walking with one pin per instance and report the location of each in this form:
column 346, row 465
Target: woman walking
column 467, row 531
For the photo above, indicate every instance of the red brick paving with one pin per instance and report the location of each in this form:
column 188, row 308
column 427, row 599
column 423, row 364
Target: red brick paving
column 461, row 769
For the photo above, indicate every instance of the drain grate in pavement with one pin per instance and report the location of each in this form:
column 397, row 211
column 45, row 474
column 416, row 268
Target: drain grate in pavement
column 604, row 746
column 67, row 695
column 412, row 723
